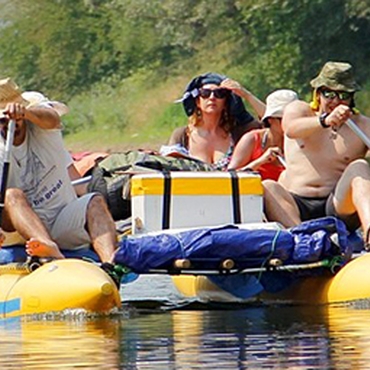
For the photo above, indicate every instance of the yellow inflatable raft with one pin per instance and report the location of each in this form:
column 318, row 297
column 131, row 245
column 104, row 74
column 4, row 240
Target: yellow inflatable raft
column 351, row 283
column 56, row 286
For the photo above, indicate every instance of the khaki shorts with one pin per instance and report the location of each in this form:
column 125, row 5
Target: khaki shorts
column 69, row 229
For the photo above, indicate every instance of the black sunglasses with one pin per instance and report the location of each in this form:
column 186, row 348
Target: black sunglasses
column 331, row 95
column 217, row 93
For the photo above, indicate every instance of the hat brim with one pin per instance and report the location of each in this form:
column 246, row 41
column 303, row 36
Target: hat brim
column 319, row 82
column 17, row 99
column 274, row 112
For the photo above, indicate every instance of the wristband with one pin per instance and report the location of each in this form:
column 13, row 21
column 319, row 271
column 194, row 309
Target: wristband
column 322, row 119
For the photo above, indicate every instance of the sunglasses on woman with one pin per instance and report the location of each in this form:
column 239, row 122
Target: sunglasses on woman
column 217, row 93
column 341, row 95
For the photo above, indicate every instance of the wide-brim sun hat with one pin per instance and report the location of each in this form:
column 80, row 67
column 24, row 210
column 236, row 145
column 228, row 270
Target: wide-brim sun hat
column 336, row 76
column 277, row 101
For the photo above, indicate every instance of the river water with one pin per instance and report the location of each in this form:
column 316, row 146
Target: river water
column 191, row 337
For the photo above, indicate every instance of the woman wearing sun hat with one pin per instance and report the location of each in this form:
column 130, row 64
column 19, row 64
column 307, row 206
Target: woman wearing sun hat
column 217, row 120
column 262, row 150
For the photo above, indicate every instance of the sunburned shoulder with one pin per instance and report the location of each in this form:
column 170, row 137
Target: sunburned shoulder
column 298, row 106
column 296, row 109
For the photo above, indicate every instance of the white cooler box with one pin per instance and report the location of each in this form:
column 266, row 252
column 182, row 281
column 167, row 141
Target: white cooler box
column 194, row 199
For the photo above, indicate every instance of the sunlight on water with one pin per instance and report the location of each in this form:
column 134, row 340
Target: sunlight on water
column 255, row 337
column 68, row 344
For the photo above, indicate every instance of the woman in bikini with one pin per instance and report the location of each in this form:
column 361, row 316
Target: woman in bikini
column 217, row 119
column 262, row 150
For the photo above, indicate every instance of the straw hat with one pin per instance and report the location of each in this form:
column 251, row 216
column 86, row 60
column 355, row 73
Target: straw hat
column 9, row 93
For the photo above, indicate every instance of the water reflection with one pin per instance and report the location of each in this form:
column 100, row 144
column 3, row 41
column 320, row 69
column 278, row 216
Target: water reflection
column 68, row 344
column 349, row 333
column 259, row 337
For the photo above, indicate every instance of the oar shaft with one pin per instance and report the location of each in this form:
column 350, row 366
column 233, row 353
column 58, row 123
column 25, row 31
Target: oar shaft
column 352, row 125
column 82, row 180
column 281, row 160
column 6, row 164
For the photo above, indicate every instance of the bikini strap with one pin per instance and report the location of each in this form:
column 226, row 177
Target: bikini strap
column 264, row 139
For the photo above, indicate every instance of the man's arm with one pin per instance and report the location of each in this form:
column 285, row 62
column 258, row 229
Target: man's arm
column 299, row 121
column 46, row 118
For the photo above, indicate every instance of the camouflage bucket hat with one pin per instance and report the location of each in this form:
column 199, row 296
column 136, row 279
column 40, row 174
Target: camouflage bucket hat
column 337, row 76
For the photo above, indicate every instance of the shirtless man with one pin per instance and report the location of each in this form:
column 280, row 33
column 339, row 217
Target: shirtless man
column 40, row 202
column 326, row 171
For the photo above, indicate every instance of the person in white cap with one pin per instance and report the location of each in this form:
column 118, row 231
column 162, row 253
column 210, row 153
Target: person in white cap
column 262, row 150
column 326, row 174
column 40, row 202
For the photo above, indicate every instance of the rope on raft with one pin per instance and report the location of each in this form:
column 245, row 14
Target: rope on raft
column 20, row 268
column 333, row 265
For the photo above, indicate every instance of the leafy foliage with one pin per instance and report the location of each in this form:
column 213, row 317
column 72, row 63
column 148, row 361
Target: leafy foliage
column 88, row 52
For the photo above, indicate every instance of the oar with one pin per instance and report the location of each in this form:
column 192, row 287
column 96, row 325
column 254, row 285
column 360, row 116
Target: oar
column 358, row 132
column 6, row 164
column 281, row 160
column 82, row 180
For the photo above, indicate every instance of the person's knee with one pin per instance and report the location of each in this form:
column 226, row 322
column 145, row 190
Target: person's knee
column 97, row 204
column 14, row 196
column 269, row 186
column 356, row 173
column 358, row 167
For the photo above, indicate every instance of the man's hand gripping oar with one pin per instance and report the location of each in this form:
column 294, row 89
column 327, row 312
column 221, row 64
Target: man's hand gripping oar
column 5, row 174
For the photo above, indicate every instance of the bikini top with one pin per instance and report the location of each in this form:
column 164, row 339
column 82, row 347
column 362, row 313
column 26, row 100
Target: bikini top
column 268, row 170
column 181, row 137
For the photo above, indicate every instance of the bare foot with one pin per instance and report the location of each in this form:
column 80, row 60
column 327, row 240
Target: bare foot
column 37, row 248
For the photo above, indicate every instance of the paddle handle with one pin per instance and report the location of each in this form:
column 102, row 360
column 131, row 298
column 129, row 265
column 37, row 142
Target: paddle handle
column 281, row 159
column 352, row 125
column 6, row 164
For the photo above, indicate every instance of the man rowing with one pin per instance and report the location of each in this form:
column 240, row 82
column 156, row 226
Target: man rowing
column 40, row 202
column 326, row 173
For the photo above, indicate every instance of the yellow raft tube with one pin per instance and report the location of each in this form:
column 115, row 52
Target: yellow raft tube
column 56, row 286
column 351, row 283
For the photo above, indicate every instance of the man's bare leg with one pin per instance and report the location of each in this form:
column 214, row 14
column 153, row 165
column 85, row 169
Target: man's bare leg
column 352, row 193
column 279, row 205
column 20, row 217
column 101, row 228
